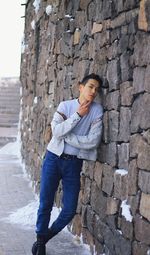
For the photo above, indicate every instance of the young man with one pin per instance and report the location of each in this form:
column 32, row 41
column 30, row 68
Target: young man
column 76, row 134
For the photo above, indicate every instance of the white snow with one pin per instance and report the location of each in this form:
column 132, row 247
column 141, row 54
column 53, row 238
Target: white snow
column 23, row 46
column 126, row 211
column 33, row 24
column 68, row 16
column 35, row 100
column 121, row 172
column 49, row 9
column 119, row 231
column 36, row 5
column 25, row 217
column 148, row 252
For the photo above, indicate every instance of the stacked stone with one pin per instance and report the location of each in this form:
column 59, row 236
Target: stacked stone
column 65, row 40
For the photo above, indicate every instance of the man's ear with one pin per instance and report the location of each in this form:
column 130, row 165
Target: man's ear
column 80, row 86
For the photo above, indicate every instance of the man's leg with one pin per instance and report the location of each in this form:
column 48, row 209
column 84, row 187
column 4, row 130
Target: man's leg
column 71, row 186
column 49, row 183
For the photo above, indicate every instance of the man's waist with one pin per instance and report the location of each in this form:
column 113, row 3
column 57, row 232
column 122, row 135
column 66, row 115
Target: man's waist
column 68, row 156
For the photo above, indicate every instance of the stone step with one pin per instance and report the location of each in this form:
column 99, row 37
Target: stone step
column 9, row 104
column 5, row 96
column 8, row 125
column 10, row 110
column 9, row 116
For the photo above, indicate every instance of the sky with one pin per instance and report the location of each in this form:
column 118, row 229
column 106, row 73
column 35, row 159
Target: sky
column 11, row 34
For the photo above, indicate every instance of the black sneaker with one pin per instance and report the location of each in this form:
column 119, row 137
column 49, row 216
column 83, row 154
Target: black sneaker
column 38, row 247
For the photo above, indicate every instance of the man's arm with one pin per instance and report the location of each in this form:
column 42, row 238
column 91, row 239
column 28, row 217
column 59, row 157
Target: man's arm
column 89, row 141
column 61, row 127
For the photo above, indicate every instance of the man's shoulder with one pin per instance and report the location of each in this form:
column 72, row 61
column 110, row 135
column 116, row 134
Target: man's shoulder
column 69, row 102
column 97, row 107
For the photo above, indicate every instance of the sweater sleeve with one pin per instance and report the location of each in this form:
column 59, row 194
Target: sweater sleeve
column 61, row 126
column 89, row 141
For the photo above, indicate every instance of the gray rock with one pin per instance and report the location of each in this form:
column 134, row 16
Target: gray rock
column 140, row 113
column 113, row 118
column 123, row 155
column 113, row 74
column 125, row 120
column 142, row 230
column 144, row 181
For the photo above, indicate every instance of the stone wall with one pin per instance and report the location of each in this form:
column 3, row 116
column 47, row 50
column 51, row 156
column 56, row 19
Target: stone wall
column 64, row 40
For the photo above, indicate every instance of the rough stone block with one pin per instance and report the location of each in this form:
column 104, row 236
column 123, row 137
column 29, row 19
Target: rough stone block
column 126, row 70
column 113, row 117
column 140, row 113
column 138, row 80
column 142, row 49
column 108, row 178
column 98, row 171
column 142, row 230
column 88, row 238
column 113, row 74
column 132, row 178
column 96, row 28
column 91, row 49
column 143, row 160
column 127, row 228
column 112, row 51
column 80, row 19
column 126, row 92
column 112, row 206
column 91, row 11
column 145, row 206
column 144, row 181
column 118, row 21
column 105, row 135
column 124, row 128
column 147, row 79
column 76, row 37
column 90, row 218
column 99, row 228
column 134, row 203
column 76, row 225
column 101, row 39
column 88, row 169
column 87, row 191
column 143, row 18
column 98, row 201
column 120, row 186
column 108, row 153
column 139, row 248
column 112, row 100
column 123, row 42
column 123, row 155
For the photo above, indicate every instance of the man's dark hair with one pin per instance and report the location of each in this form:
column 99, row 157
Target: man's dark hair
column 92, row 76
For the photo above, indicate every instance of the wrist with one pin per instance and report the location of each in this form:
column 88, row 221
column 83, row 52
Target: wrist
column 79, row 114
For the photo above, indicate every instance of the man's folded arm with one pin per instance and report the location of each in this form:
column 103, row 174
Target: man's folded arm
column 89, row 141
column 62, row 126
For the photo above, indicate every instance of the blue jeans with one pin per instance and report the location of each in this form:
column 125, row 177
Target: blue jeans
column 55, row 169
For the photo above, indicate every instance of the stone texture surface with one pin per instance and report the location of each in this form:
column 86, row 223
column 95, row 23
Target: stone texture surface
column 110, row 38
column 145, row 205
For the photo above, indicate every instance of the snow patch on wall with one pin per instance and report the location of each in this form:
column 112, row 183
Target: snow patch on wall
column 49, row 9
column 36, row 5
column 126, row 211
column 121, row 172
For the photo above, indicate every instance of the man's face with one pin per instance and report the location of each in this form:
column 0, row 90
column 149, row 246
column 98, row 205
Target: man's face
column 89, row 91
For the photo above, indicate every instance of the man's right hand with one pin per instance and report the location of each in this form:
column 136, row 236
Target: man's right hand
column 84, row 108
